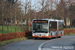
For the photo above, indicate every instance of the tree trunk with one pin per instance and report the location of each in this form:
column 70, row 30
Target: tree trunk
column 7, row 25
column 65, row 22
column 27, row 26
column 11, row 22
column 2, row 18
column 15, row 18
column 2, row 24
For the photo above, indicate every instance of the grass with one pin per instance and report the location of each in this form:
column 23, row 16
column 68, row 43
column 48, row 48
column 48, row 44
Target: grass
column 69, row 28
column 18, row 29
column 69, row 33
column 13, row 40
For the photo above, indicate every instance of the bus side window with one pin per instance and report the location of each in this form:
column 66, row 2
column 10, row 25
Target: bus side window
column 61, row 27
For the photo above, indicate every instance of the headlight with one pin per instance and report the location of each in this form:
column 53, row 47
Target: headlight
column 46, row 34
column 32, row 34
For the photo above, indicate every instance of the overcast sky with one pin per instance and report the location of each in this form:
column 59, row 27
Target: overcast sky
column 34, row 3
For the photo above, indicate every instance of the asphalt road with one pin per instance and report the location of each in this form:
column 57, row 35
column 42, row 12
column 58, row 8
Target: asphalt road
column 63, row 43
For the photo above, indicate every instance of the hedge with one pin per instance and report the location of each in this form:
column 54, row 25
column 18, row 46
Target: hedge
column 10, row 36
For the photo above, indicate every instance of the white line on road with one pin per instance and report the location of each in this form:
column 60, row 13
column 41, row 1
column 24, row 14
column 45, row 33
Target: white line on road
column 40, row 47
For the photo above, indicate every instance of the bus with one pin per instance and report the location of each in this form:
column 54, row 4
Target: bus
column 47, row 28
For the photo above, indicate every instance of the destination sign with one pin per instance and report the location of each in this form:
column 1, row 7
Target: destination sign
column 40, row 21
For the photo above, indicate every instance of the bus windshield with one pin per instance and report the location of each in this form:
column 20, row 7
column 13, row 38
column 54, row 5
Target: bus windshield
column 40, row 27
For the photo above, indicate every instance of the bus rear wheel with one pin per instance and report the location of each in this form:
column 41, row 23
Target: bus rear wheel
column 60, row 36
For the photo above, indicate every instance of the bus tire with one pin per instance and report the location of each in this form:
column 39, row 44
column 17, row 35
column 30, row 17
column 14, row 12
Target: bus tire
column 35, row 38
column 60, row 36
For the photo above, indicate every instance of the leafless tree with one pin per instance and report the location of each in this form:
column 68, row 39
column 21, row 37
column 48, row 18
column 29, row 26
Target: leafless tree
column 2, row 7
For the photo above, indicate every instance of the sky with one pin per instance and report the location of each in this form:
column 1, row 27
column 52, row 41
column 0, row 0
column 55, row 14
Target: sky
column 33, row 4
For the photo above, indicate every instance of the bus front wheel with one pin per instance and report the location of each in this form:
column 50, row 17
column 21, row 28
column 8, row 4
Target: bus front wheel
column 35, row 38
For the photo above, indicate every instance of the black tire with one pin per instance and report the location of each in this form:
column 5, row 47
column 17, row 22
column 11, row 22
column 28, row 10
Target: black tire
column 35, row 38
column 59, row 37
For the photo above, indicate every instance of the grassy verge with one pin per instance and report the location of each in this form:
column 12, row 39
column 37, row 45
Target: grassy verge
column 69, row 33
column 5, row 29
column 13, row 40
column 69, row 28
column 18, row 29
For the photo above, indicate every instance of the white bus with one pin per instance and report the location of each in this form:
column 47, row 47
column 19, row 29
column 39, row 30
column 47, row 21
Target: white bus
column 47, row 28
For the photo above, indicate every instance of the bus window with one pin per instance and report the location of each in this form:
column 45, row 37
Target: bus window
column 61, row 27
column 40, row 27
column 53, row 26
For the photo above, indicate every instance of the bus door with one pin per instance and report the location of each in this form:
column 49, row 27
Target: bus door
column 53, row 28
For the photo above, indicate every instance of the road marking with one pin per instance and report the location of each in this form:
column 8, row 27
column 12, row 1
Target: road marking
column 40, row 47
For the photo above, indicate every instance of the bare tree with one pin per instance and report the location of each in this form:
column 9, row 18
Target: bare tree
column 42, row 9
column 29, row 13
column 35, row 9
column 50, row 7
column 2, row 16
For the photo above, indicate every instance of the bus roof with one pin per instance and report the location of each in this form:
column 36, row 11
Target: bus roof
column 51, row 20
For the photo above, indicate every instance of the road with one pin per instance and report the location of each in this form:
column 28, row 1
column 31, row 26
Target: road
column 63, row 43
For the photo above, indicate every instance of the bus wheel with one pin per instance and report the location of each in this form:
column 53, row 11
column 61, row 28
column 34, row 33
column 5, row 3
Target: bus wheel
column 59, row 36
column 35, row 38
column 50, row 37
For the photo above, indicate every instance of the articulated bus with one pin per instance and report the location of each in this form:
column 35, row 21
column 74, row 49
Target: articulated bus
column 47, row 28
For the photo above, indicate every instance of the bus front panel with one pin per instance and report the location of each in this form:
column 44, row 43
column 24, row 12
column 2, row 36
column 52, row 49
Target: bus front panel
column 40, row 28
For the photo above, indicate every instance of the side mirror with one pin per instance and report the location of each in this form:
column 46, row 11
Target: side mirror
column 31, row 23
